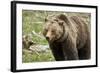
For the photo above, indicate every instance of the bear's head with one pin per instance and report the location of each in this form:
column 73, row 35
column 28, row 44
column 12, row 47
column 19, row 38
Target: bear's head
column 54, row 28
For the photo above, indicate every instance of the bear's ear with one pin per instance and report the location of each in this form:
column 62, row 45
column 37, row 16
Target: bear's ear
column 62, row 16
column 45, row 19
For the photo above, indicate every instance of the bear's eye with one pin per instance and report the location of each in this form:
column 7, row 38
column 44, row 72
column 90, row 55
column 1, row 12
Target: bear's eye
column 46, row 29
column 56, row 20
column 53, row 31
column 52, row 22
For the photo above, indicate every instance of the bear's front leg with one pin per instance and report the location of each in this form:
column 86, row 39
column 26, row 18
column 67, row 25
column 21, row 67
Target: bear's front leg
column 70, row 53
column 57, row 52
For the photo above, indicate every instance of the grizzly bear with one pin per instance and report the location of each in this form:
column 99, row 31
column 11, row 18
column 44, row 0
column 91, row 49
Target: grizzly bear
column 68, row 37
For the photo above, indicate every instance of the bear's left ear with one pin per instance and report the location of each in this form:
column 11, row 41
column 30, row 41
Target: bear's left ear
column 62, row 16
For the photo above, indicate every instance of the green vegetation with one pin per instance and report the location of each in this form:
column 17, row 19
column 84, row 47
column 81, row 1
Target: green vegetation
column 34, row 21
column 34, row 57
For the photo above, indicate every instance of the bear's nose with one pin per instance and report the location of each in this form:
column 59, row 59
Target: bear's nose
column 47, row 37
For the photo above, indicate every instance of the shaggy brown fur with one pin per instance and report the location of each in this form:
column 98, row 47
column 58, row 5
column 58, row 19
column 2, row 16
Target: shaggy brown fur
column 68, row 37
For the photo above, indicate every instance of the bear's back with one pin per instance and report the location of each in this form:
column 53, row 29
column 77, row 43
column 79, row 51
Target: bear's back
column 83, row 32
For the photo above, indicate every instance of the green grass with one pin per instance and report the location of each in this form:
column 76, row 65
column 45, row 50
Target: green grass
column 34, row 21
column 33, row 57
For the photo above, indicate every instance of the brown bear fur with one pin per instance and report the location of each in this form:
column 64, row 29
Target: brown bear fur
column 68, row 37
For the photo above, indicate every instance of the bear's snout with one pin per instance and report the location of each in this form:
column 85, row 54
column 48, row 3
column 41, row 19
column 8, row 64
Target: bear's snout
column 47, row 37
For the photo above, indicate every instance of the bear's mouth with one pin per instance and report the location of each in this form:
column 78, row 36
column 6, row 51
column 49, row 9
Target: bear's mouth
column 50, row 40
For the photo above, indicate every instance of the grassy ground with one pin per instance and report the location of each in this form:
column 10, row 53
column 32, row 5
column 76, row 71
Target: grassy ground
column 34, row 57
column 34, row 20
